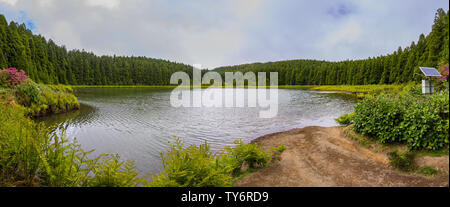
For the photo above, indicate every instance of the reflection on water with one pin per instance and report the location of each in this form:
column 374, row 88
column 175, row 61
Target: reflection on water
column 138, row 123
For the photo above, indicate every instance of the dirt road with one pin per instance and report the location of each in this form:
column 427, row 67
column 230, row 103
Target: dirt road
column 323, row 156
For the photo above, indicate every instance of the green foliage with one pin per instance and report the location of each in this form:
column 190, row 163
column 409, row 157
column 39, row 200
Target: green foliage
column 403, row 161
column 193, row 166
column 33, row 155
column 196, row 166
column 19, row 147
column 380, row 117
column 27, row 94
column 41, row 99
column 242, row 153
column 112, row 172
column 426, row 123
column 420, row 121
column 427, row 170
column 281, row 148
column 4, row 79
column 345, row 119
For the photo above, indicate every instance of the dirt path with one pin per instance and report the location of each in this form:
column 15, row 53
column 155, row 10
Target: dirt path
column 323, row 156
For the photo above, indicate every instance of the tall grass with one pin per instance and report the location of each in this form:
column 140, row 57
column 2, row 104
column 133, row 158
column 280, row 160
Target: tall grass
column 33, row 155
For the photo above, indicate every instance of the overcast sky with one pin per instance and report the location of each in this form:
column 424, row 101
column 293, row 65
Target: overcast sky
column 216, row 33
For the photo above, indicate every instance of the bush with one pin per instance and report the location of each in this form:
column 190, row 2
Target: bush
column 112, row 172
column 345, row 119
column 33, row 155
column 38, row 98
column 191, row 167
column 422, row 122
column 402, row 161
column 242, row 153
column 426, row 123
column 380, row 117
column 427, row 170
column 196, row 166
column 27, row 94
column 280, row 149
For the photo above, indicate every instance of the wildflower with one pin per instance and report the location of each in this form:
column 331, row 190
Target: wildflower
column 12, row 77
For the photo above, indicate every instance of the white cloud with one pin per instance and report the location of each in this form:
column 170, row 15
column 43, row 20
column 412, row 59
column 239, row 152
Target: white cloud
column 46, row 3
column 10, row 2
column 108, row 4
column 63, row 33
column 348, row 33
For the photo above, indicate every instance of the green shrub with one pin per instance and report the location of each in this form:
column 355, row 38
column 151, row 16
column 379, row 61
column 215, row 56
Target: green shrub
column 402, row 161
column 427, row 170
column 281, row 148
column 27, row 94
column 4, row 79
column 345, row 119
column 193, row 166
column 380, row 117
column 31, row 154
column 41, row 99
column 196, row 166
column 426, row 123
column 422, row 122
column 112, row 172
column 251, row 154
column 20, row 141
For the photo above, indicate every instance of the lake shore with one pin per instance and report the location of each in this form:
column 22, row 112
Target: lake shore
column 326, row 157
column 335, row 88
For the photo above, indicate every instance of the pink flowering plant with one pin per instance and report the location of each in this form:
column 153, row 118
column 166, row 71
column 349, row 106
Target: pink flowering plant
column 11, row 77
column 442, row 82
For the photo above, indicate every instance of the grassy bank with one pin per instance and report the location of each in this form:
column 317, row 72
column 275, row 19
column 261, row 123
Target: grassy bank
column 340, row 88
column 37, row 99
column 406, row 120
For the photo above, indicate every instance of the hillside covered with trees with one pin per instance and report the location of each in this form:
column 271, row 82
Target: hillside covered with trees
column 46, row 62
column 399, row 67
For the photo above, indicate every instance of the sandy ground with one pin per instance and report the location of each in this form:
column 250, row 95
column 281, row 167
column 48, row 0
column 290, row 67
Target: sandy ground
column 323, row 156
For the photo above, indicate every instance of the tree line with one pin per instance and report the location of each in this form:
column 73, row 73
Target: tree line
column 399, row 67
column 46, row 62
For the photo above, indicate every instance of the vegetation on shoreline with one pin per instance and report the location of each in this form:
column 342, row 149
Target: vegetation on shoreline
column 197, row 166
column 38, row 99
column 399, row 156
column 420, row 122
column 34, row 155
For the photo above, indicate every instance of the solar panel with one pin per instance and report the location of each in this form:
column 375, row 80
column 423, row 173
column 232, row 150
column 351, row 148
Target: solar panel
column 430, row 72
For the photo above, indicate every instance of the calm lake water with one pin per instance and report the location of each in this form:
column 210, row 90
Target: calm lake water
column 138, row 123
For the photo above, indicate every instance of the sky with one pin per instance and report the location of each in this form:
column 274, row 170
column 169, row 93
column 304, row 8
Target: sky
column 215, row 33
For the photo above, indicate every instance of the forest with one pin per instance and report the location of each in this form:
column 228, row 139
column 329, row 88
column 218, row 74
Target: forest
column 45, row 62
column 401, row 66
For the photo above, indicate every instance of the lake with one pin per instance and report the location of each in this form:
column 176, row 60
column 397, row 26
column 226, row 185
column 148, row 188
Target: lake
column 138, row 123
